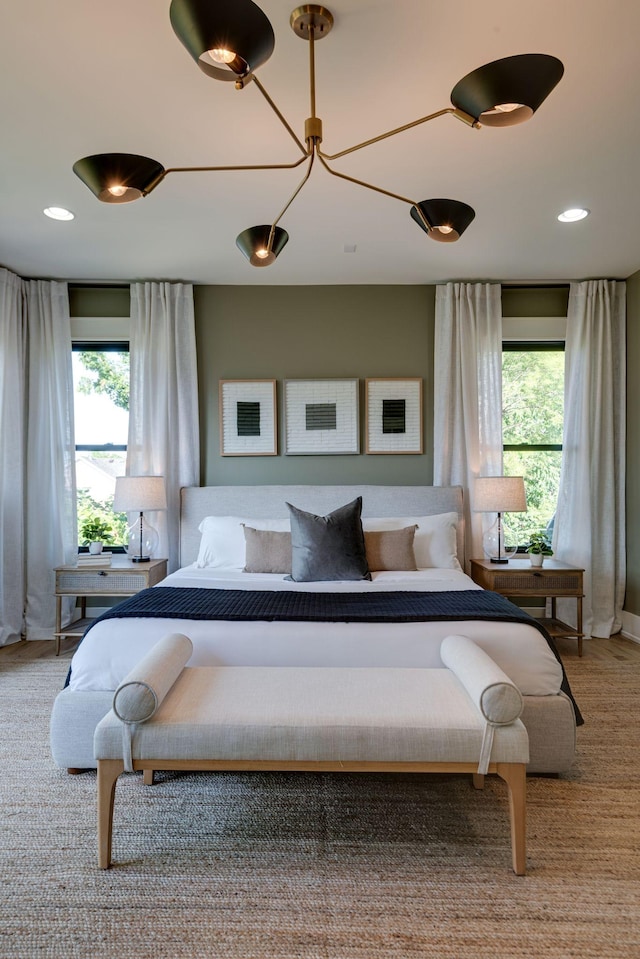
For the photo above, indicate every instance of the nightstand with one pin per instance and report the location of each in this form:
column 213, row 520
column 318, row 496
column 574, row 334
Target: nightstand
column 122, row 578
column 519, row 578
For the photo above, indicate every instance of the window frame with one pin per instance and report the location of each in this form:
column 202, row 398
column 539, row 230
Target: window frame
column 511, row 345
column 532, row 346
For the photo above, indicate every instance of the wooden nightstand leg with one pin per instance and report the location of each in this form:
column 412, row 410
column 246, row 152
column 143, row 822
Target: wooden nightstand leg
column 579, row 618
column 58, row 623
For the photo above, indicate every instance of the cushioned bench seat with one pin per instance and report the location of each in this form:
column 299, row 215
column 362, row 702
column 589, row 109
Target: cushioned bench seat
column 462, row 718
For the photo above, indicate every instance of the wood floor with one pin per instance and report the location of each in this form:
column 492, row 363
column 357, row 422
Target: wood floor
column 616, row 648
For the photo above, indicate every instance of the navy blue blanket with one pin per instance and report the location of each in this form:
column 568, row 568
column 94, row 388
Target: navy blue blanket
column 398, row 606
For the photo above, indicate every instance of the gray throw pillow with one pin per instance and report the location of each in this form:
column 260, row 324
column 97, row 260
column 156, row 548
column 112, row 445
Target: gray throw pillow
column 328, row 547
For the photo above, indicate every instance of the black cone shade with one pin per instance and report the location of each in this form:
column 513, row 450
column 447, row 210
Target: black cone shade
column 517, row 84
column 238, row 26
column 256, row 238
column 448, row 219
column 118, row 177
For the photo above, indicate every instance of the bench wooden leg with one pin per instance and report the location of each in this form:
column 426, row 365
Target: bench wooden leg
column 147, row 777
column 515, row 776
column 478, row 781
column 108, row 772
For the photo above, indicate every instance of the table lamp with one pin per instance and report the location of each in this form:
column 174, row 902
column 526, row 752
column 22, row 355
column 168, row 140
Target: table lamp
column 498, row 494
column 140, row 493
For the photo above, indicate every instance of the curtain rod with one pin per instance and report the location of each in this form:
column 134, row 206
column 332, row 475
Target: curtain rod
column 536, row 286
column 99, row 286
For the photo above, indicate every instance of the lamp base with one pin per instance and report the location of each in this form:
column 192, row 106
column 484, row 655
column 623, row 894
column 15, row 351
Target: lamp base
column 142, row 541
column 496, row 542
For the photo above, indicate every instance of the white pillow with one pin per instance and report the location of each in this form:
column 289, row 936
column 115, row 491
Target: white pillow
column 435, row 543
column 223, row 544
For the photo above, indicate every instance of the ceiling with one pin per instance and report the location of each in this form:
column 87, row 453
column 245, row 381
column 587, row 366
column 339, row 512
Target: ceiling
column 79, row 78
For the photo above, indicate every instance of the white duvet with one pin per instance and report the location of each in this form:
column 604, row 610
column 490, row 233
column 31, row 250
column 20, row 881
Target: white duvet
column 112, row 647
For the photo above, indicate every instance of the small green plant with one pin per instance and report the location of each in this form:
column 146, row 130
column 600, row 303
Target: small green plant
column 95, row 530
column 539, row 543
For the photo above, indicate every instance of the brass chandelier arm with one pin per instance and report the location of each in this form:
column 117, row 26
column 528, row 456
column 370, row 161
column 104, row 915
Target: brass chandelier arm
column 428, row 226
column 154, row 183
column 290, row 200
column 222, row 169
column 369, row 186
column 459, row 114
column 280, row 116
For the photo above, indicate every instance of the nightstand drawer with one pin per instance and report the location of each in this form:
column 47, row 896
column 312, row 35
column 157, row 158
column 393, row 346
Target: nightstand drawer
column 103, row 580
column 522, row 582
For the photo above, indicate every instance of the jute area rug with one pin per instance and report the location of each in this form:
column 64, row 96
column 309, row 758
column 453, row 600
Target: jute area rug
column 326, row 866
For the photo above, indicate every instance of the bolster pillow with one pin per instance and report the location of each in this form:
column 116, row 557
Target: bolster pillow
column 498, row 699
column 142, row 690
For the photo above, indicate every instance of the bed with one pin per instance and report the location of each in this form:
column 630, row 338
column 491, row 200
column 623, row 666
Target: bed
column 216, row 550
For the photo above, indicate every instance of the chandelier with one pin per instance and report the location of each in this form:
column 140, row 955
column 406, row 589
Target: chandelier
column 230, row 39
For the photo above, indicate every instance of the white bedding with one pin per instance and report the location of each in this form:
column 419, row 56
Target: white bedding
column 112, row 647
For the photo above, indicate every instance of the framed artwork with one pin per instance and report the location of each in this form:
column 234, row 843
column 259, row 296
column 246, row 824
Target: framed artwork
column 321, row 416
column 248, row 418
column 394, row 415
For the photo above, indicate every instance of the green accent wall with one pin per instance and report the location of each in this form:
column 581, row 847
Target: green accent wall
column 535, row 300
column 312, row 332
column 632, row 601
column 99, row 301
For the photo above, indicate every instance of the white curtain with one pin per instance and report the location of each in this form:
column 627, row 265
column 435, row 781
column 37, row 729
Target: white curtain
column 468, row 393
column 52, row 534
column 589, row 531
column 37, row 469
column 12, row 456
column 163, row 409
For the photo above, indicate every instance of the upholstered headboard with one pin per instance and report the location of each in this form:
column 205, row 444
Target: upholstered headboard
column 269, row 502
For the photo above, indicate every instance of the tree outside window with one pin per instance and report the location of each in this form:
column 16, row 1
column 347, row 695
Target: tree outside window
column 532, row 422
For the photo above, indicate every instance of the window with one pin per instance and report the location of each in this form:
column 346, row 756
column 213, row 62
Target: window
column 101, row 411
column 532, row 423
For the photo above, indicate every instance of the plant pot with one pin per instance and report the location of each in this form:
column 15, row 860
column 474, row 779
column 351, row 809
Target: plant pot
column 95, row 548
column 537, row 559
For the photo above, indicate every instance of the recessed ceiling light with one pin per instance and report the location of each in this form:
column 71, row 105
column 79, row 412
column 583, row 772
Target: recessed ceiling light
column 572, row 216
column 58, row 213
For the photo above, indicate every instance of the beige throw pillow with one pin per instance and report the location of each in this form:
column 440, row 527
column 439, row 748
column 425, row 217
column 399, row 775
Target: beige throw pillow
column 267, row 551
column 390, row 549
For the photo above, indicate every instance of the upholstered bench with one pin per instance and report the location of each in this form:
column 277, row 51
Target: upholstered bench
column 461, row 718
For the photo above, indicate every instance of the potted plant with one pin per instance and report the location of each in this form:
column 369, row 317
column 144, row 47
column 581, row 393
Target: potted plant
column 538, row 547
column 95, row 532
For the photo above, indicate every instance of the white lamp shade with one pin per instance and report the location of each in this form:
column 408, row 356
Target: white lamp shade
column 139, row 493
column 499, row 494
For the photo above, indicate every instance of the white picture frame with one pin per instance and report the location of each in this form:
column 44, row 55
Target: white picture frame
column 248, row 418
column 393, row 415
column 321, row 417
